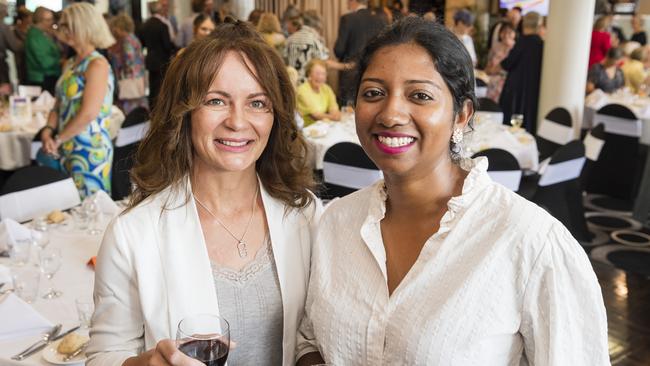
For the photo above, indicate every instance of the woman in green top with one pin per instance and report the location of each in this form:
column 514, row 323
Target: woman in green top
column 316, row 100
column 42, row 55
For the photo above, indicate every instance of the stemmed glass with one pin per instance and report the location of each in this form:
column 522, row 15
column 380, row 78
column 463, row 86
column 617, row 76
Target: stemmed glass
column 517, row 120
column 204, row 337
column 50, row 261
column 91, row 209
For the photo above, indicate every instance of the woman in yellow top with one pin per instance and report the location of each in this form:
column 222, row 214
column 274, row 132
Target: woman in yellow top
column 316, row 100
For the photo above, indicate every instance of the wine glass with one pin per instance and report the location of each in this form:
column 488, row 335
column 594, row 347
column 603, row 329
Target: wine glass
column 204, row 337
column 517, row 120
column 91, row 208
column 50, row 261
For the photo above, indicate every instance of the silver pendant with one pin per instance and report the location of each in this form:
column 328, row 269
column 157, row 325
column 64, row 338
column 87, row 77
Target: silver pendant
column 241, row 248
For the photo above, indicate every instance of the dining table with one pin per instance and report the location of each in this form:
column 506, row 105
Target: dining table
column 75, row 280
column 488, row 132
column 639, row 104
column 15, row 144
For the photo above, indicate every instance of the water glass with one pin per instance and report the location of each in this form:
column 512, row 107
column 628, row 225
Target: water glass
column 19, row 251
column 41, row 238
column 80, row 218
column 204, row 337
column 85, row 312
column 91, row 209
column 25, row 281
column 50, row 261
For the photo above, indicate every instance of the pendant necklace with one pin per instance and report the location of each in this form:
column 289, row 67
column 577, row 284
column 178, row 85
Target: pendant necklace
column 241, row 244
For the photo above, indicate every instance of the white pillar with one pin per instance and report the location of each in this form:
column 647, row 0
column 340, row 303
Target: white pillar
column 241, row 8
column 566, row 55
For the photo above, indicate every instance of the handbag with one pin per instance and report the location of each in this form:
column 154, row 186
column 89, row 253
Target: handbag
column 131, row 88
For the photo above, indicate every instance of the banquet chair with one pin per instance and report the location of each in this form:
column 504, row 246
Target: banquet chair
column 594, row 141
column 133, row 129
column 347, row 168
column 487, row 107
column 616, row 172
column 503, row 167
column 480, row 88
column 555, row 130
column 34, row 191
column 559, row 192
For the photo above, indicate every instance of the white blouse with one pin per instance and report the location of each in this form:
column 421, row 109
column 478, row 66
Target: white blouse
column 501, row 283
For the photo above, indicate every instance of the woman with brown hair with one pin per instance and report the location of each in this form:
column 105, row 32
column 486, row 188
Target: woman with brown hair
column 221, row 217
column 269, row 28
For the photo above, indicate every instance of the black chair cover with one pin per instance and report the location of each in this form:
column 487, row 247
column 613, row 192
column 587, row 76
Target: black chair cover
column 31, row 177
column 563, row 199
column 348, row 154
column 488, row 105
column 502, row 161
column 123, row 157
column 616, row 172
column 546, row 147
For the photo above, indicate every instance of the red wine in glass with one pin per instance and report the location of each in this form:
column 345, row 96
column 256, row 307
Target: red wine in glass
column 211, row 352
column 204, row 337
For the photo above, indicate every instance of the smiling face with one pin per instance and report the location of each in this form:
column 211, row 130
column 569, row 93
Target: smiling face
column 232, row 126
column 317, row 76
column 404, row 114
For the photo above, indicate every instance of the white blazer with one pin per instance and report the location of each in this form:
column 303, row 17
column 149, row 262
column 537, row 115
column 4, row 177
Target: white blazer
column 153, row 270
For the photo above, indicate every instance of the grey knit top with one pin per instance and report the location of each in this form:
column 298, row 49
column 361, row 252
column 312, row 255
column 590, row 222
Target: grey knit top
column 250, row 300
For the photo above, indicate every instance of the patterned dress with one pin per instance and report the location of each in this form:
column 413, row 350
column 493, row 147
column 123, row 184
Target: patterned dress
column 88, row 156
column 128, row 62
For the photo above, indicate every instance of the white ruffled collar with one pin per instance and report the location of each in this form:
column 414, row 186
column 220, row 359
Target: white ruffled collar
column 475, row 180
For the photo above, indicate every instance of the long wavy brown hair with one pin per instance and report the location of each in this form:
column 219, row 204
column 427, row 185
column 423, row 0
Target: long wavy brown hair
column 165, row 155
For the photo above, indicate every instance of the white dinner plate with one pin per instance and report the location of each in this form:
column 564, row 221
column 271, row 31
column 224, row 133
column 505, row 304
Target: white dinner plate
column 52, row 356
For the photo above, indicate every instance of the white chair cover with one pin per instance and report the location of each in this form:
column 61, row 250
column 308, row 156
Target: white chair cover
column 132, row 134
column 35, row 146
column 593, row 146
column 619, row 126
column 553, row 131
column 30, row 203
column 562, row 172
column 508, row 178
column 349, row 176
column 481, row 91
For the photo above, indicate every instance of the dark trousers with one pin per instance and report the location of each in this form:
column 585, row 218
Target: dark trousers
column 155, row 81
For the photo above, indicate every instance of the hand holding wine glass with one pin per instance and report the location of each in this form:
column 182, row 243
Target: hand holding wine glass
column 165, row 353
column 204, row 337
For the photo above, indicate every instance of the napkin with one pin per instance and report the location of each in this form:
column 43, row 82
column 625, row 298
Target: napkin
column 10, row 231
column 596, row 99
column 105, row 203
column 44, row 102
column 5, row 275
column 19, row 319
column 318, row 129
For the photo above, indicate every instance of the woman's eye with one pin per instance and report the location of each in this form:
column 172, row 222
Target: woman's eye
column 372, row 93
column 215, row 102
column 422, row 96
column 259, row 104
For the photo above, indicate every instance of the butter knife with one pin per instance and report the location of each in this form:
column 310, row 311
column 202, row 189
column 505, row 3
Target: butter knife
column 47, row 338
column 65, row 333
column 76, row 352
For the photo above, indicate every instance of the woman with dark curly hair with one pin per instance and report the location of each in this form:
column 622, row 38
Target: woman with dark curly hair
column 437, row 264
column 221, row 217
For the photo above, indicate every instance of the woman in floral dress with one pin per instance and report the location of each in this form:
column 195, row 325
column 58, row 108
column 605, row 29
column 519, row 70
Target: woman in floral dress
column 77, row 127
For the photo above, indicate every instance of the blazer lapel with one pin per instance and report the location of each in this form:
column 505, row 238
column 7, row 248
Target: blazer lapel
column 185, row 262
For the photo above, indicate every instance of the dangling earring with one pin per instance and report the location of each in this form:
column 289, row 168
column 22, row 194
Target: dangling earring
column 457, row 136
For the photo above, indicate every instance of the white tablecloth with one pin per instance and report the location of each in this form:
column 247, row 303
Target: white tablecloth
column 639, row 105
column 75, row 279
column 488, row 134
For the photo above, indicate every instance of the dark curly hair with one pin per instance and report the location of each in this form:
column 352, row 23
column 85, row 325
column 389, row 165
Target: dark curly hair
column 165, row 156
column 448, row 53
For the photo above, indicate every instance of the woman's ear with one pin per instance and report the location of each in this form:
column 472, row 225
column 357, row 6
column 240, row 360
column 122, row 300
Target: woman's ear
column 464, row 115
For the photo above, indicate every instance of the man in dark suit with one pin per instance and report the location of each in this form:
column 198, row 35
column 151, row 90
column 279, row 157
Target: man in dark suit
column 355, row 30
column 156, row 36
column 520, row 93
